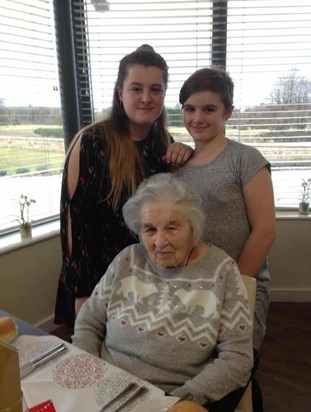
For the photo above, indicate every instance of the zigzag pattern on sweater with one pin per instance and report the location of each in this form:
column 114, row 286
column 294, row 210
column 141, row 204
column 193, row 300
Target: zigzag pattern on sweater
column 237, row 315
column 165, row 322
column 152, row 322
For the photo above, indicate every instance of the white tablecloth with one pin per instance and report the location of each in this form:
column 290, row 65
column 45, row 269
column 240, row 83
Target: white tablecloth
column 75, row 381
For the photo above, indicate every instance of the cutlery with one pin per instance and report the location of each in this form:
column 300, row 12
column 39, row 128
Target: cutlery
column 140, row 391
column 30, row 366
column 127, row 389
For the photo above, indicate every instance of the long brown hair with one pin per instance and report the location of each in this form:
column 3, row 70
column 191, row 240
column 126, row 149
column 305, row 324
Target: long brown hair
column 125, row 167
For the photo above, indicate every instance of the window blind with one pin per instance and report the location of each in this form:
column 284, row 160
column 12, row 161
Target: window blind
column 31, row 136
column 269, row 58
column 265, row 45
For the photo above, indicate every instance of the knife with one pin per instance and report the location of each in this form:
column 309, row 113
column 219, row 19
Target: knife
column 52, row 353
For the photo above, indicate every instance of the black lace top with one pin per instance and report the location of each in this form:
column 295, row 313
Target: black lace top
column 98, row 232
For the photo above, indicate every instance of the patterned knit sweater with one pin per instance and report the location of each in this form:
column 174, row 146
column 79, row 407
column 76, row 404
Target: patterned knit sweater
column 185, row 330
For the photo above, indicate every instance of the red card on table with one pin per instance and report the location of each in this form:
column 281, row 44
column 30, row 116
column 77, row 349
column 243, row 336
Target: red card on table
column 46, row 406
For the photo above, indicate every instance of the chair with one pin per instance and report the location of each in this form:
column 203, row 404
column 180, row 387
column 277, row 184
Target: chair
column 246, row 402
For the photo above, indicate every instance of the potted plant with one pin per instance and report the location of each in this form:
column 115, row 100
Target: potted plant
column 23, row 218
column 305, row 196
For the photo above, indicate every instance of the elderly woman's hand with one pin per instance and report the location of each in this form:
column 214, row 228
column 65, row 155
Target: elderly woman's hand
column 187, row 406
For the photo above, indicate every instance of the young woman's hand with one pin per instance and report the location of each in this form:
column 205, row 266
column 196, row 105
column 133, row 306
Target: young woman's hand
column 177, row 154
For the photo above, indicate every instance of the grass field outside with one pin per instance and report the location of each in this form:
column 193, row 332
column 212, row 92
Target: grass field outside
column 23, row 151
column 32, row 165
column 18, row 160
column 19, row 128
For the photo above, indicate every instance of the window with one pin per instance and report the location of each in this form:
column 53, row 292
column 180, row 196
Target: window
column 31, row 134
column 265, row 45
column 269, row 58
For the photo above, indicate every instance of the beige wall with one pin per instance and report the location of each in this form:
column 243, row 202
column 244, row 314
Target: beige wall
column 29, row 275
column 290, row 261
column 28, row 279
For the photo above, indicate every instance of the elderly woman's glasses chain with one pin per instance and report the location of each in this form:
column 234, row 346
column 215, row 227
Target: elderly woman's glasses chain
column 190, row 254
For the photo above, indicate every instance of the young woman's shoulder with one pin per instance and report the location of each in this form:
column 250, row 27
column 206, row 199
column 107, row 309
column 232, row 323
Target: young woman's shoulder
column 94, row 136
column 87, row 139
column 90, row 145
column 248, row 157
column 243, row 149
column 87, row 155
column 246, row 161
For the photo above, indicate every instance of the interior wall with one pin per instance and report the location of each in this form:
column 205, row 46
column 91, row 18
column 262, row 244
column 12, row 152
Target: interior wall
column 29, row 275
column 290, row 261
column 28, row 279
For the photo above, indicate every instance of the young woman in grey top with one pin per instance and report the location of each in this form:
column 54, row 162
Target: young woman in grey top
column 234, row 182
column 172, row 310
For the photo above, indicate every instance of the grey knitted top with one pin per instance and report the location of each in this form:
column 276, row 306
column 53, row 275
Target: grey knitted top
column 185, row 330
column 220, row 184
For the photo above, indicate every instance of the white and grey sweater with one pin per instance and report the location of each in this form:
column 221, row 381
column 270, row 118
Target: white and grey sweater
column 185, row 330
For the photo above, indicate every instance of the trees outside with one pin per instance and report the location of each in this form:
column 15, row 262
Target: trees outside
column 291, row 97
column 291, row 89
column 30, row 115
column 286, row 116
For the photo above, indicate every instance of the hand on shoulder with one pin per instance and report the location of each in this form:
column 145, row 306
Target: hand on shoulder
column 177, row 154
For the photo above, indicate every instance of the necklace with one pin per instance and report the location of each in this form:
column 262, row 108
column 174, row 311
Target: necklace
column 190, row 254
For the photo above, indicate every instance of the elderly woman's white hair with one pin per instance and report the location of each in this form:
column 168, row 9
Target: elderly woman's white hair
column 165, row 187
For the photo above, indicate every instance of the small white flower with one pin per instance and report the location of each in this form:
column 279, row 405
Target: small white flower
column 24, row 204
column 306, row 190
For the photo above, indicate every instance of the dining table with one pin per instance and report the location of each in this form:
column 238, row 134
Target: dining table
column 75, row 380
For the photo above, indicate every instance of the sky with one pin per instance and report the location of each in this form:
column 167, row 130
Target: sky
column 264, row 43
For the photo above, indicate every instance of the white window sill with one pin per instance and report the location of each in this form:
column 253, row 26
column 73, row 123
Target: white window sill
column 12, row 241
column 291, row 215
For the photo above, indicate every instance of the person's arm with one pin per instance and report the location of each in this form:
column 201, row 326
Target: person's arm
column 231, row 366
column 78, row 165
column 177, row 154
column 72, row 181
column 73, row 170
column 90, row 324
column 259, row 202
column 78, row 303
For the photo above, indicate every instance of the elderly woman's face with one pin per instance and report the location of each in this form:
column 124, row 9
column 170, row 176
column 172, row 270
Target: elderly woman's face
column 166, row 234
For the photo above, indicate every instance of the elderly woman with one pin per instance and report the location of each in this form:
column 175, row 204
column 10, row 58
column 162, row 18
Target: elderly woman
column 171, row 309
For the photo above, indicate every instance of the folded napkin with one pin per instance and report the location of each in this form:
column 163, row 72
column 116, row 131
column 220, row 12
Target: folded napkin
column 46, row 406
column 76, row 380
column 11, row 398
